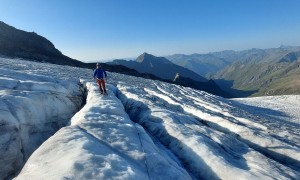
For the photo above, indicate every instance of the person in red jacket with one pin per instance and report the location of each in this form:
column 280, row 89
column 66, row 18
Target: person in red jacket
column 100, row 74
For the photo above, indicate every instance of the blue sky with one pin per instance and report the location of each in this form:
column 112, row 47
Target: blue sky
column 96, row 30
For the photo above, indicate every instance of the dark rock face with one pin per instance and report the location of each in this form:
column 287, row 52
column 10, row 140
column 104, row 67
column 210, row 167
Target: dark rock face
column 29, row 45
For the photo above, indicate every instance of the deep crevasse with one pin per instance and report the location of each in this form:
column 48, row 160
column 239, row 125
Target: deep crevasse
column 32, row 108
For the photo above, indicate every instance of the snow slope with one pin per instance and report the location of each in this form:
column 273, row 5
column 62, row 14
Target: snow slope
column 33, row 107
column 154, row 130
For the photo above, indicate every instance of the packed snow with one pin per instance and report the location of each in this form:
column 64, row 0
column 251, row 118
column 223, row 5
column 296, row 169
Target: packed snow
column 143, row 129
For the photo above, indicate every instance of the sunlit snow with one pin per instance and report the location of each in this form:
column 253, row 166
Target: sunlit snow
column 143, row 129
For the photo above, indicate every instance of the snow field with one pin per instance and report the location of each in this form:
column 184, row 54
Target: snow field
column 267, row 107
column 197, row 145
column 101, row 143
column 229, row 119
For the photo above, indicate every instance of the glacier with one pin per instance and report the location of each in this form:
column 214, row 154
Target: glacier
column 143, row 129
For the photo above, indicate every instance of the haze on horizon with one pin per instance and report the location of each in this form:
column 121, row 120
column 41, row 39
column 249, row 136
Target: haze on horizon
column 100, row 30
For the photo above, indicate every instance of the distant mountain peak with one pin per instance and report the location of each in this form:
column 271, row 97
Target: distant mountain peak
column 144, row 56
column 160, row 67
column 150, row 59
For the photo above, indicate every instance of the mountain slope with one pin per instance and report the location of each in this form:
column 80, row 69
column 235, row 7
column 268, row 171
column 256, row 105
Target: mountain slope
column 255, row 71
column 211, row 63
column 159, row 66
column 203, row 64
column 166, row 71
column 209, row 86
column 275, row 73
column 29, row 45
column 17, row 43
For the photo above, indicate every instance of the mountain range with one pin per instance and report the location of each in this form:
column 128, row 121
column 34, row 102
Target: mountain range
column 275, row 72
column 170, row 72
column 159, row 66
column 203, row 64
column 15, row 43
column 255, row 72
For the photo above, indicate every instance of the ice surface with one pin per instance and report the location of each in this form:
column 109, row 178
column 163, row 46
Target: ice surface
column 154, row 130
column 280, row 114
column 202, row 129
column 33, row 107
column 101, row 143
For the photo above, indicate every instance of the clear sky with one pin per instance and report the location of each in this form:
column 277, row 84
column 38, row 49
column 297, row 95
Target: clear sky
column 96, row 30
